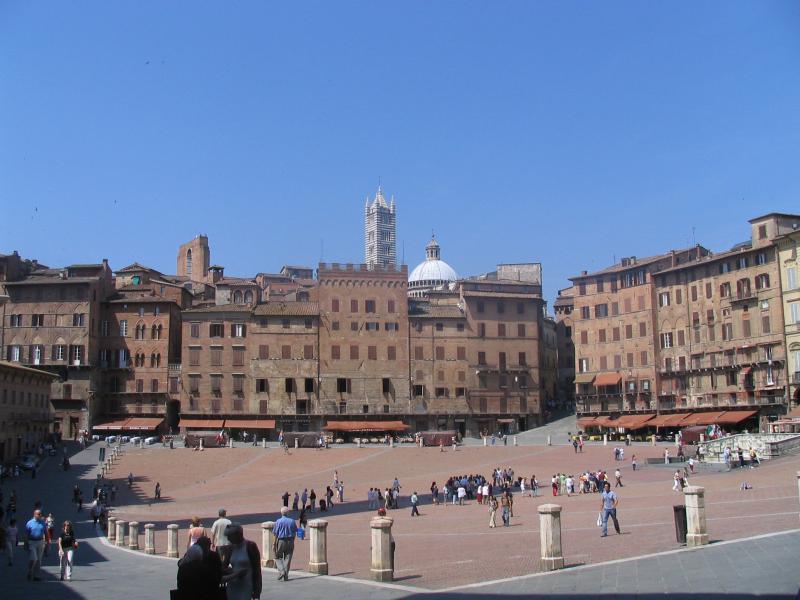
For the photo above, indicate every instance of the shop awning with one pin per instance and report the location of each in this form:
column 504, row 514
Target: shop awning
column 733, row 417
column 673, row 420
column 607, row 379
column 143, row 423
column 633, row 422
column 365, row 426
column 250, row 423
column 702, row 418
column 506, row 420
column 117, row 425
column 586, row 422
column 210, row 424
column 584, row 378
column 604, row 421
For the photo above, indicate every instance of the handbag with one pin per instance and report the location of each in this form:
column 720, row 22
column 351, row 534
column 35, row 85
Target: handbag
column 600, row 519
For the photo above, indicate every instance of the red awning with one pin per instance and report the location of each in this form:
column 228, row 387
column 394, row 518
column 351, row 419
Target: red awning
column 702, row 418
column 604, row 421
column 118, row 425
column 586, row 422
column 673, row 420
column 209, row 424
column 365, row 426
column 634, row 422
column 250, row 423
column 733, row 417
column 143, row 423
column 607, row 379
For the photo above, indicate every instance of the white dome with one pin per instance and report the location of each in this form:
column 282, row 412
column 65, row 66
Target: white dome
column 432, row 272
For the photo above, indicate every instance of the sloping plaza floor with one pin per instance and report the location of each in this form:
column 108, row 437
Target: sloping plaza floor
column 448, row 547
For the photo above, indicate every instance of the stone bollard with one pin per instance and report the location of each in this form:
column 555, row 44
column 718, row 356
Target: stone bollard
column 550, row 537
column 172, row 540
column 484, row 441
column 264, row 443
column 702, row 439
column 318, row 547
column 133, row 535
column 358, row 442
column 230, row 443
column 515, row 441
column 112, row 529
column 391, row 442
column 653, row 439
column 605, row 439
column 296, row 443
column 120, row 541
column 201, row 443
column 268, row 544
column 149, row 538
column 549, row 441
column 696, row 530
column 382, row 555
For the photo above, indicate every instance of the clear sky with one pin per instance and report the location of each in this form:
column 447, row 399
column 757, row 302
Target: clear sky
column 567, row 133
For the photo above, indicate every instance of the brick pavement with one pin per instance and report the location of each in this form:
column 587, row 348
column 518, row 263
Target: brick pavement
column 762, row 566
column 449, row 545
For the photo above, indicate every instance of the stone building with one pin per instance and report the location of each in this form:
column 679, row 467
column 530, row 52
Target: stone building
column 51, row 321
column 548, row 363
column 685, row 332
column 25, row 411
column 788, row 246
column 380, row 231
column 563, row 307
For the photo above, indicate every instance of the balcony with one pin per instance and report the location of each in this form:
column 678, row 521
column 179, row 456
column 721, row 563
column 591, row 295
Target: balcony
column 174, row 368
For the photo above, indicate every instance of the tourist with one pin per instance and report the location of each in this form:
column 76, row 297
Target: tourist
column 50, row 523
column 130, row 480
column 633, row 462
column 329, row 496
column 295, row 502
column 35, row 531
column 285, row 531
column 200, row 573
column 340, row 492
column 414, row 502
column 691, row 464
column 157, row 494
column 754, row 462
column 740, row 453
column 67, row 544
column 285, row 498
column 335, row 478
column 196, row 531
column 434, row 493
column 608, row 506
column 505, row 503
column 304, row 497
column 554, row 485
column 666, row 456
column 727, row 457
column 241, row 563
column 218, row 539
column 461, row 493
column 492, row 512
column 618, row 478
column 313, row 499
column 11, row 540
column 676, row 482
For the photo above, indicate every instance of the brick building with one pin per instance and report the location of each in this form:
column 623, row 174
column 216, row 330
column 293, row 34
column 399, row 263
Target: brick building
column 25, row 411
column 788, row 246
column 565, row 353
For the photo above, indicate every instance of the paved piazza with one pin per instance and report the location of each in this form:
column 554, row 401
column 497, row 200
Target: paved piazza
column 449, row 545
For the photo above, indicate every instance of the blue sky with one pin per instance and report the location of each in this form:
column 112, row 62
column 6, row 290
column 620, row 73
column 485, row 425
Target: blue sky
column 561, row 132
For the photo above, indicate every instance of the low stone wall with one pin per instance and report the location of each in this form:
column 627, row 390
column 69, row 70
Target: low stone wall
column 767, row 445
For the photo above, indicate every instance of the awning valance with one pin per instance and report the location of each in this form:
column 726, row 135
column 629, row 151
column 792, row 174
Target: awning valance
column 733, row 417
column 505, row 420
column 143, row 423
column 586, row 422
column 584, row 378
column 250, row 423
column 210, row 424
column 607, row 379
column 701, row 418
column 633, row 422
column 117, row 425
column 673, row 420
column 365, row 426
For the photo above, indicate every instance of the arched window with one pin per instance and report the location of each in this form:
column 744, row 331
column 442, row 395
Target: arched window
column 248, row 297
column 237, row 297
column 154, row 332
column 153, row 359
column 189, row 262
column 158, row 332
column 158, row 360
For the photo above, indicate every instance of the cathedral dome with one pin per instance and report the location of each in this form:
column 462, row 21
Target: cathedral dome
column 433, row 272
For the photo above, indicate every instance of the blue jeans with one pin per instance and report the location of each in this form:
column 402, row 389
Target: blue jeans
column 506, row 517
column 610, row 512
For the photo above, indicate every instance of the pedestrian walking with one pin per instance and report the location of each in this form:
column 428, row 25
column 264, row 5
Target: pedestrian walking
column 11, row 540
column 492, row 512
column 434, row 493
column 633, row 462
column 67, row 544
column 608, row 506
column 218, row 539
column 242, row 559
column 295, row 502
column 130, row 480
column 618, row 478
column 196, row 531
column 285, row 532
column 414, row 503
column 158, row 491
column 35, row 531
column 285, row 498
column 505, row 504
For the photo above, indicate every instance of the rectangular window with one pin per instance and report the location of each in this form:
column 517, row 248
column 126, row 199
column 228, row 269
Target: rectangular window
column 78, row 320
column 154, row 386
column 369, row 306
column 765, row 326
column 585, row 313
column 123, row 328
column 709, row 291
column 615, row 334
column 353, row 352
column 372, row 353
column 342, row 385
column 286, row 323
column 617, row 361
column 238, row 330
column 308, row 385
column 262, row 386
column 174, row 385
column 286, row 351
column 335, row 352
column 520, row 308
column 643, row 358
column 334, row 305
column 642, row 329
column 628, row 332
column 263, row 352
column 627, row 305
column 309, row 323
column 727, row 331
column 439, row 352
column 663, row 299
column 372, row 326
column 629, row 359
column 194, row 384
column 681, row 338
column 582, row 289
column 640, row 302
column 614, row 309
column 501, row 330
column 583, row 365
column 216, row 330
column 353, row 325
column 501, row 308
column 139, row 386
column 194, row 330
column 216, row 356
column 523, row 360
column 600, row 285
column 461, row 353
column 746, row 328
column 601, row 335
column 480, row 306
column 791, row 278
column 678, row 296
column 334, row 325
column 59, row 353
column 481, row 358
column 353, row 306
column 37, row 320
column 238, row 385
column 481, row 329
column 194, row 357
column 308, row 351
column 390, row 307
column 288, row 385
column 391, row 353
column 419, row 353
column 584, row 337
column 666, row 340
column 238, row 357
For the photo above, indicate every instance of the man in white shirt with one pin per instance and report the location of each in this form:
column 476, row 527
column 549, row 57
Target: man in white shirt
column 218, row 538
column 462, row 493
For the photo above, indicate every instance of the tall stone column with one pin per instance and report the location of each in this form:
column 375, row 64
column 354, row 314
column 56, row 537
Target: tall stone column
column 268, row 544
column 605, row 439
column 120, row 533
column 550, row 537
column 149, row 538
column 653, row 439
column 133, row 535
column 318, row 544
column 172, row 540
column 382, row 556
column 696, row 530
column 112, row 529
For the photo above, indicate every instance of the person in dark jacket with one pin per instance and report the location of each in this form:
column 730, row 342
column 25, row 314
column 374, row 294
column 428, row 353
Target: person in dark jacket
column 199, row 572
column 241, row 564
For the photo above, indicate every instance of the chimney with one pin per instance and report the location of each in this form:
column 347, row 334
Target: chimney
column 673, row 258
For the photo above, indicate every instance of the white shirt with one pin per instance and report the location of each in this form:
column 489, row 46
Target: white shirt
column 461, row 492
column 218, row 531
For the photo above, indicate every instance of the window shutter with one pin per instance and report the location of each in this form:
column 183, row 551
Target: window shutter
column 53, row 352
column 244, row 330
